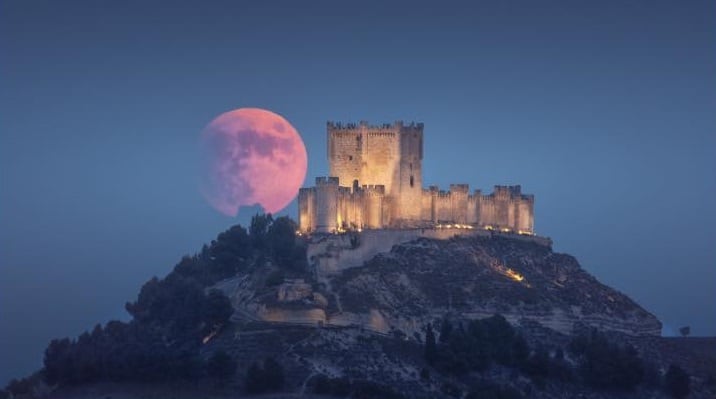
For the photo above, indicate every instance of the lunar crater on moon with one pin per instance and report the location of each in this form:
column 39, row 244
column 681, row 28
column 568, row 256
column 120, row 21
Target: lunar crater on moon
column 251, row 156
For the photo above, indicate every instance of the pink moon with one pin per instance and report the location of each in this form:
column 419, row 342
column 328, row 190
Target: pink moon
column 251, row 156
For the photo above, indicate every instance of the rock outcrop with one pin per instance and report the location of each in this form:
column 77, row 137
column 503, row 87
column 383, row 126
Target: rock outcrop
column 421, row 280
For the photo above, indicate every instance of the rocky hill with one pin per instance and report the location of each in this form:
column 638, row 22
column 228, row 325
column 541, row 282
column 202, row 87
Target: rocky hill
column 382, row 314
column 469, row 276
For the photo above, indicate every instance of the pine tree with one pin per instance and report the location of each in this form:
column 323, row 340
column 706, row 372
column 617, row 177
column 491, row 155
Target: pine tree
column 431, row 351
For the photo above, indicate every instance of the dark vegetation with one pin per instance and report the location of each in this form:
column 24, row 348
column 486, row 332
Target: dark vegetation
column 266, row 377
column 676, row 382
column 221, row 366
column 172, row 315
column 478, row 345
column 475, row 346
column 605, row 365
column 343, row 387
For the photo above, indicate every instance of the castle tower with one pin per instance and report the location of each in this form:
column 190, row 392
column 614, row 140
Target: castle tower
column 410, row 190
column 326, row 205
column 306, row 209
column 389, row 155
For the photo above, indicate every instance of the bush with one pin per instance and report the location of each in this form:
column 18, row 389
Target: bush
column 605, row 365
column 217, row 309
column 19, row 387
column 322, row 385
column 359, row 389
column 264, row 378
column 424, row 374
column 483, row 342
column 221, row 366
column 676, row 382
column 430, row 346
column 275, row 278
column 488, row 390
column 372, row 390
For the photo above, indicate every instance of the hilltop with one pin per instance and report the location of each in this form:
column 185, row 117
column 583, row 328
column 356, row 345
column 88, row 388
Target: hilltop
column 425, row 313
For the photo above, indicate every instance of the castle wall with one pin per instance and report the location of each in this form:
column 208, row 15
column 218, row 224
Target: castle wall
column 373, row 208
column 458, row 197
column 473, row 208
column 427, row 208
column 306, row 209
column 326, row 204
column 443, row 207
column 355, row 217
column 487, row 210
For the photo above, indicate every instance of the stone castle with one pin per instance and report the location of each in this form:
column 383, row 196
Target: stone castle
column 376, row 182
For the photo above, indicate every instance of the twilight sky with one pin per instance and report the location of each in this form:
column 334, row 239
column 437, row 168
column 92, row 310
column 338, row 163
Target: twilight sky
column 605, row 110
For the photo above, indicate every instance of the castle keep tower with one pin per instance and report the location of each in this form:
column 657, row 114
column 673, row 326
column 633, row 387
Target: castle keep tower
column 376, row 182
column 387, row 155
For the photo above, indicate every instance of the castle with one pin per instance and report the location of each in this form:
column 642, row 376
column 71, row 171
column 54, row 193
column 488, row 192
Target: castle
column 376, row 182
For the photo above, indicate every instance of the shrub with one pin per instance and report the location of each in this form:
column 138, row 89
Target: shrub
column 275, row 278
column 676, row 382
column 605, row 365
column 221, row 366
column 264, row 378
column 488, row 390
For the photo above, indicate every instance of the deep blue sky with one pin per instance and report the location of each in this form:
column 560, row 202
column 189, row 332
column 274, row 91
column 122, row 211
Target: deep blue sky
column 605, row 110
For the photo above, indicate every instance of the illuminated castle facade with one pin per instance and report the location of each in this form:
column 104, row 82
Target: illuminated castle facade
column 376, row 182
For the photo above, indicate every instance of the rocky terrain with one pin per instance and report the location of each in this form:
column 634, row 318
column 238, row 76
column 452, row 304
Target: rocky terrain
column 418, row 282
column 422, row 314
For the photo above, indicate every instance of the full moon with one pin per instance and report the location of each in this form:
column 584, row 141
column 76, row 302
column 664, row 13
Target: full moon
column 251, row 156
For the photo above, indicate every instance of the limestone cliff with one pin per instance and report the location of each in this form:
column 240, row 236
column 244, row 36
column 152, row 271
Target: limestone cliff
column 421, row 280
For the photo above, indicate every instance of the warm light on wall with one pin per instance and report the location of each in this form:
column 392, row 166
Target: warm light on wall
column 514, row 275
column 454, row 226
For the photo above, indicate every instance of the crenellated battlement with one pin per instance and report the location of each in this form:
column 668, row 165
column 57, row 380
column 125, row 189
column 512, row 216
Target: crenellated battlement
column 375, row 181
column 326, row 180
column 364, row 125
column 374, row 188
column 459, row 188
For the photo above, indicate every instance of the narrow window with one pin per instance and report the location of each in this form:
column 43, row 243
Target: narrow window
column 411, row 181
column 350, row 157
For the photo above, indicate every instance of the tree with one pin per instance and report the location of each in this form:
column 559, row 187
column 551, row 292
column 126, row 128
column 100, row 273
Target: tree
column 677, row 382
column 255, row 379
column 221, row 366
column 431, row 351
column 58, row 361
column 605, row 365
column 685, row 331
column 445, row 330
column 273, row 374
column 258, row 229
column 264, row 379
column 18, row 388
column 282, row 240
column 217, row 308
